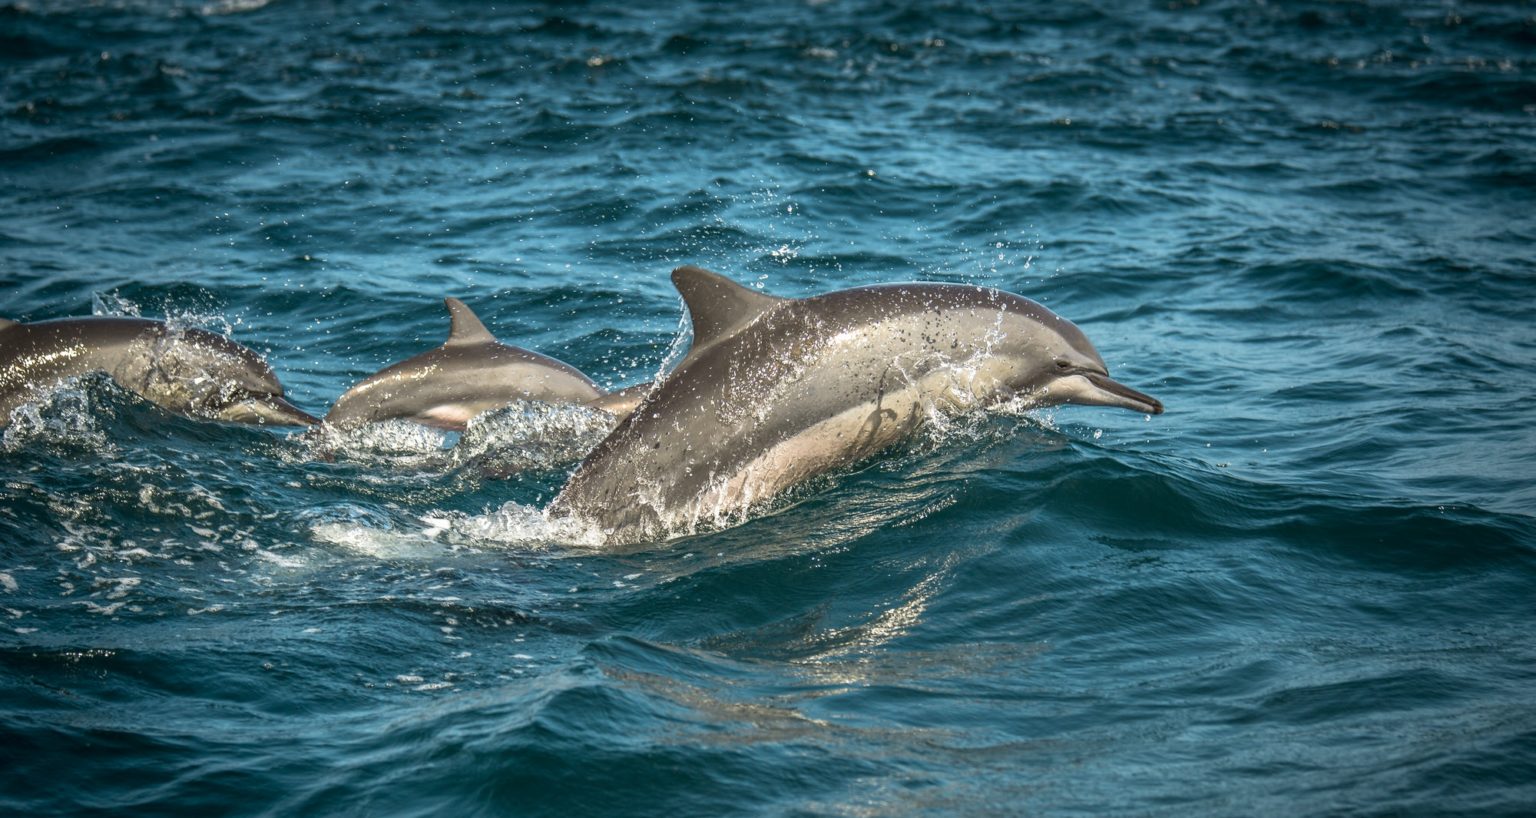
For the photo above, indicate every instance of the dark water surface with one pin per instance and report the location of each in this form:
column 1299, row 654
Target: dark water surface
column 1309, row 588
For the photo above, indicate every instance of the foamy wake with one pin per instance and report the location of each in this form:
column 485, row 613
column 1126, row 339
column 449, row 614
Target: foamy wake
column 69, row 415
column 529, row 528
column 526, row 436
column 513, row 525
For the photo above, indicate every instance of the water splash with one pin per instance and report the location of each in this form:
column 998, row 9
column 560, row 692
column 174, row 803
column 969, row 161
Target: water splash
column 178, row 316
column 682, row 341
column 69, row 416
column 523, row 437
column 513, row 526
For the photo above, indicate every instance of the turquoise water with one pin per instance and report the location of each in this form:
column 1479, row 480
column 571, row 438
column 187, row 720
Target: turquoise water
column 1308, row 588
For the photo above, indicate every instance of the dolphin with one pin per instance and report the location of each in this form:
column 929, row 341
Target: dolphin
column 188, row 371
column 469, row 374
column 775, row 391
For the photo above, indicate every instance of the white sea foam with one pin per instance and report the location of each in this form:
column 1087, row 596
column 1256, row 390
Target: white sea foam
column 512, row 525
column 378, row 543
column 114, row 305
column 68, row 415
column 222, row 7
column 525, row 436
column 521, row 525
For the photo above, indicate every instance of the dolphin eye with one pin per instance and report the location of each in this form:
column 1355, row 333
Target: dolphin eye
column 1063, row 366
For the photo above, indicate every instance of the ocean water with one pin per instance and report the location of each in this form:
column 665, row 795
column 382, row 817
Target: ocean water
column 1310, row 587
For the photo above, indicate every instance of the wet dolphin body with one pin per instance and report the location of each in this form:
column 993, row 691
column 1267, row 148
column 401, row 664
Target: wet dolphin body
column 775, row 391
column 189, row 371
column 469, row 374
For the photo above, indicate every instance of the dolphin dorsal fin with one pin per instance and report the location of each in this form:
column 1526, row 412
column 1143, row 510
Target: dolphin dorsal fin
column 465, row 328
column 718, row 306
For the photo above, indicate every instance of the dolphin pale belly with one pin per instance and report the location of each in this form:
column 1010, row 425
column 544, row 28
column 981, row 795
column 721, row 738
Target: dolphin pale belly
column 775, row 391
column 190, row 371
column 469, row 374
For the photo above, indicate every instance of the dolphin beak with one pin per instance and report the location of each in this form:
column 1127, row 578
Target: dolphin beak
column 1093, row 389
column 267, row 410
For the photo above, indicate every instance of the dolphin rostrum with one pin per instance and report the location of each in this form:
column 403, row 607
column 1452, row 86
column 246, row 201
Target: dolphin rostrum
column 188, row 371
column 469, row 374
column 775, row 391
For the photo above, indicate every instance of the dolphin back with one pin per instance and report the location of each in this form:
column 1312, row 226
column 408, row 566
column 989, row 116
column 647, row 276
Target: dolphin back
column 469, row 374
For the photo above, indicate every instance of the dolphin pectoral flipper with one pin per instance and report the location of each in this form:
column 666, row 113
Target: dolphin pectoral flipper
column 867, row 441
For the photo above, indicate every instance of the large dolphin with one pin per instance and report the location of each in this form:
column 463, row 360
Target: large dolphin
column 188, row 371
column 777, row 390
column 470, row 373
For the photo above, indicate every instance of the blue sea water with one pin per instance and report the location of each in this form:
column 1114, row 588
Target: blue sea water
column 1309, row 588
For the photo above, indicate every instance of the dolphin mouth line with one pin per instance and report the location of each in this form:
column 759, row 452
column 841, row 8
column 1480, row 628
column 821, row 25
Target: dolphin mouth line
column 272, row 410
column 294, row 416
column 1140, row 400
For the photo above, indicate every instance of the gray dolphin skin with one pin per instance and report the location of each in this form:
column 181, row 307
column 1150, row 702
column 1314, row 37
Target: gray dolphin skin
column 775, row 391
column 469, row 374
column 189, row 371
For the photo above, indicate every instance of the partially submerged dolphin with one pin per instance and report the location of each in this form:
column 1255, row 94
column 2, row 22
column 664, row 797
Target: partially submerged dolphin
column 188, row 371
column 775, row 391
column 469, row 374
